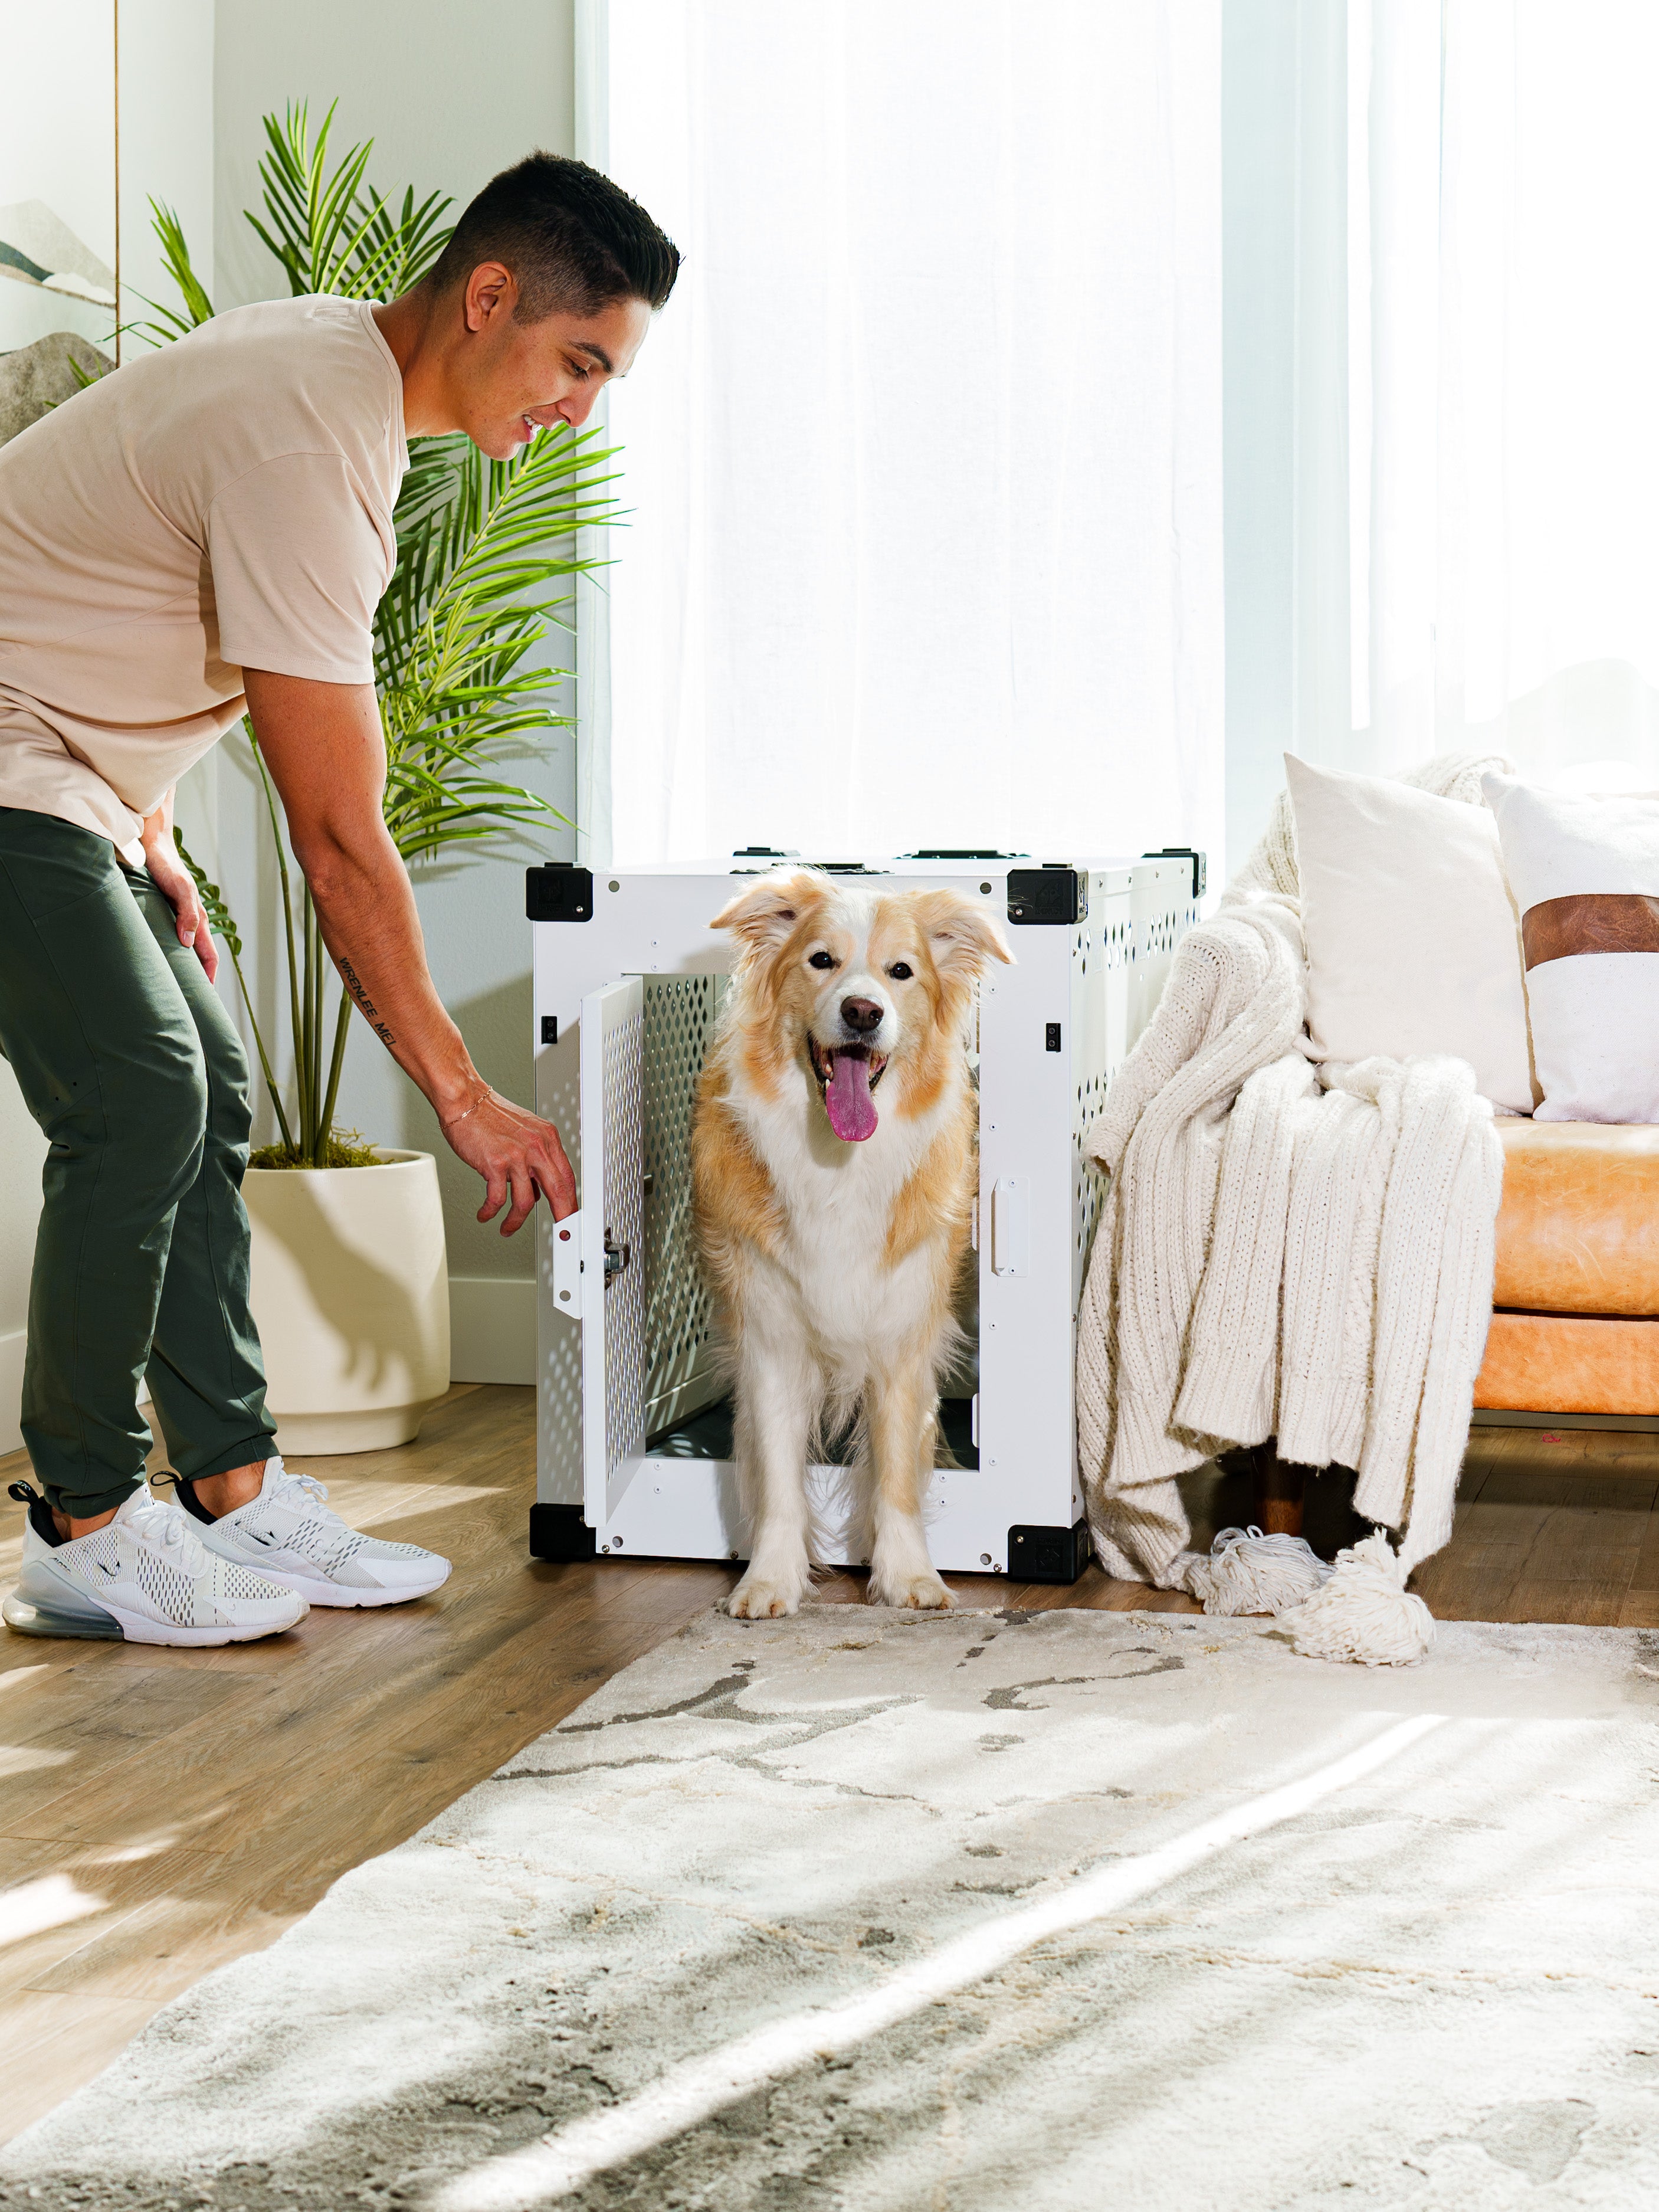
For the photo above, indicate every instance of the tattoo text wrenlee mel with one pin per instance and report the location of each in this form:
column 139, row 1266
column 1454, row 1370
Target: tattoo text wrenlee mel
column 349, row 976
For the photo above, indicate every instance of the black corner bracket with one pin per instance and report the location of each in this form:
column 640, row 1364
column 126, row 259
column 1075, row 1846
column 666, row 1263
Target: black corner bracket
column 559, row 1533
column 1048, row 1555
column 558, row 891
column 1055, row 892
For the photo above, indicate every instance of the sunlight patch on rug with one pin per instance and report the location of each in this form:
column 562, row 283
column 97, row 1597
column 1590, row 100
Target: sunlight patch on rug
column 695, row 2092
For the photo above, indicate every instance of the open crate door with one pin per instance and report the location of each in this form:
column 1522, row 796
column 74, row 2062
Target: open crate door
column 613, row 1245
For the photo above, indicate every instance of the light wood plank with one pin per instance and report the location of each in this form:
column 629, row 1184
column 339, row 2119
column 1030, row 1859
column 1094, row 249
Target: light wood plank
column 51, row 2044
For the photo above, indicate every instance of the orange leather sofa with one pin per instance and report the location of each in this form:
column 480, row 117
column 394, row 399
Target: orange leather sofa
column 1575, row 1326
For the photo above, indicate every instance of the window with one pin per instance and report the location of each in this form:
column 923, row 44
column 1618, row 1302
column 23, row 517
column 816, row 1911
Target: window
column 924, row 454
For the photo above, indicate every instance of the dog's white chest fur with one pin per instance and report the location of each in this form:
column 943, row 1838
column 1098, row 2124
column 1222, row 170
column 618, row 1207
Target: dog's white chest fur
column 837, row 1202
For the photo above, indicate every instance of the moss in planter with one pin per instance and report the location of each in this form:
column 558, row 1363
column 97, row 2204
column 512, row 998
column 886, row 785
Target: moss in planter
column 346, row 1149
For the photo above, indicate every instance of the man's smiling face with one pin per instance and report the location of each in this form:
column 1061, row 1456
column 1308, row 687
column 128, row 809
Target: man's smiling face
column 509, row 378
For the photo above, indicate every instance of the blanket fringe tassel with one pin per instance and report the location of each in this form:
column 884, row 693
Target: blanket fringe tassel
column 1359, row 1610
column 1248, row 1572
column 1365, row 1613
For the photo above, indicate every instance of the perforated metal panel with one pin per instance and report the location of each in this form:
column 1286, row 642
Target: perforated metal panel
column 613, row 1231
column 680, row 1015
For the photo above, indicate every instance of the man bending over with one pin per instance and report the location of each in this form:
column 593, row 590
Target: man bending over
column 207, row 531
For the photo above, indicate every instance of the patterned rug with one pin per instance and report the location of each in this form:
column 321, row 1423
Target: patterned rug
column 969, row 1911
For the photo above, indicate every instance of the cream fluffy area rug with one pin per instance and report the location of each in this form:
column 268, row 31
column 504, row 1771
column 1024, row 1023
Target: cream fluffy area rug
column 965, row 1911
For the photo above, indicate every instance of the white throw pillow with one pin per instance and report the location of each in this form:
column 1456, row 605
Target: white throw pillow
column 1414, row 942
column 1585, row 874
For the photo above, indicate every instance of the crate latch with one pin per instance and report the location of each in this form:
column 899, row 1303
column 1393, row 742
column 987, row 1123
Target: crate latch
column 568, row 1266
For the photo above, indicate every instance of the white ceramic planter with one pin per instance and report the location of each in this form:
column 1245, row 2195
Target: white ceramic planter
column 351, row 1299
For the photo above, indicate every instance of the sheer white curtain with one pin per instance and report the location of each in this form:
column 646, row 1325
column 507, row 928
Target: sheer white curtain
column 1503, row 332
column 924, row 455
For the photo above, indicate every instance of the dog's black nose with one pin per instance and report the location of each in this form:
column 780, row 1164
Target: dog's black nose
column 861, row 1015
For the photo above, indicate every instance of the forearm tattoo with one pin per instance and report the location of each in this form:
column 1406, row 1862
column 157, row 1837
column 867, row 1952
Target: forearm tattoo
column 371, row 1015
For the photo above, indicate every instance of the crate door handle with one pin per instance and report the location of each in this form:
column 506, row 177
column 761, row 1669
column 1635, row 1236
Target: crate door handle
column 1010, row 1240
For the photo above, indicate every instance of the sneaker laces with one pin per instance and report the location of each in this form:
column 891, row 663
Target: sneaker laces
column 165, row 1524
column 314, row 1492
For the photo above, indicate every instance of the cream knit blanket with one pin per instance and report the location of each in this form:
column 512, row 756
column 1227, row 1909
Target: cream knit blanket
column 1282, row 1251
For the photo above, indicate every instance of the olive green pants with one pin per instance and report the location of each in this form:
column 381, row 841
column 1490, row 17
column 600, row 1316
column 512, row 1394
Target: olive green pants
column 130, row 1065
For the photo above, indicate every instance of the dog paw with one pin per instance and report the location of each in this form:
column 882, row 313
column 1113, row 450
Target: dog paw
column 762, row 1597
column 927, row 1593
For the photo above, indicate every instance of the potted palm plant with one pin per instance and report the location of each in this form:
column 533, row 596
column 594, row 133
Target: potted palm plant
column 350, row 1282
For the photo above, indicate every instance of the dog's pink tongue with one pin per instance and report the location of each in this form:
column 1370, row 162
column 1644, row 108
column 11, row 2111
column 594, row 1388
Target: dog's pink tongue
column 847, row 1101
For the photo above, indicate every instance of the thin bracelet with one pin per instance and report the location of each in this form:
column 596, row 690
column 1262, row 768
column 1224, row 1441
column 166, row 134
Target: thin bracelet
column 455, row 1121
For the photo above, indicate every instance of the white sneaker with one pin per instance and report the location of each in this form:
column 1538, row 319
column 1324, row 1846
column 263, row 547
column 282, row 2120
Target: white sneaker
column 145, row 1576
column 290, row 1533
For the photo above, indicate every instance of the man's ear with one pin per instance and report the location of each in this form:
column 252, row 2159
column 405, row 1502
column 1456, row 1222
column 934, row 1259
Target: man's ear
column 765, row 915
column 490, row 289
column 963, row 935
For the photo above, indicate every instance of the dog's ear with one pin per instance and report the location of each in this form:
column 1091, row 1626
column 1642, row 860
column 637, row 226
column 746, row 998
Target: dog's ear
column 963, row 935
column 764, row 914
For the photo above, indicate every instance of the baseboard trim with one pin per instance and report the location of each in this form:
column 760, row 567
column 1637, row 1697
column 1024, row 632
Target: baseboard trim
column 1488, row 1418
column 492, row 1329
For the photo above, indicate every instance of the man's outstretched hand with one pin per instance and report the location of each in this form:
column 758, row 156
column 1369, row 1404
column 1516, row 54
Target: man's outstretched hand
column 518, row 1154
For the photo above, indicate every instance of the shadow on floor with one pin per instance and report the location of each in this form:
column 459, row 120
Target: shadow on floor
column 1220, row 1495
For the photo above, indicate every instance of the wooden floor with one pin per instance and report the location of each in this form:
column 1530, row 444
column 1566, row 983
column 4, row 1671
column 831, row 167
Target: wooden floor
column 163, row 1811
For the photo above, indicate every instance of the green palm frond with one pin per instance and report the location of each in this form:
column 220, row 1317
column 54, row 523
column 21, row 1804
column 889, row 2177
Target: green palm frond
column 331, row 231
column 197, row 308
column 194, row 309
column 486, row 551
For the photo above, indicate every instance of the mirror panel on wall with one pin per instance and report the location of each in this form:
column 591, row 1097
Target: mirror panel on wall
column 58, row 216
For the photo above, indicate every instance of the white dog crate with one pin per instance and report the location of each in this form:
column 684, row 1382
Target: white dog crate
column 634, row 1432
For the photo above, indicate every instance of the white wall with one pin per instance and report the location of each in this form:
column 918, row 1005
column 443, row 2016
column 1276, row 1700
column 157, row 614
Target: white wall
column 451, row 94
column 166, row 142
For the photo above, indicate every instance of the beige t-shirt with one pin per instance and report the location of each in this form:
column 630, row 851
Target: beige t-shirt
column 223, row 503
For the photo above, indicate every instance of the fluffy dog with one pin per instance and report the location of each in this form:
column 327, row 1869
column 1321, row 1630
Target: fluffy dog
column 833, row 1160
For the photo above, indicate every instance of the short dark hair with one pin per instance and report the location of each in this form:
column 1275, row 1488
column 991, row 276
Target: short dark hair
column 573, row 241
